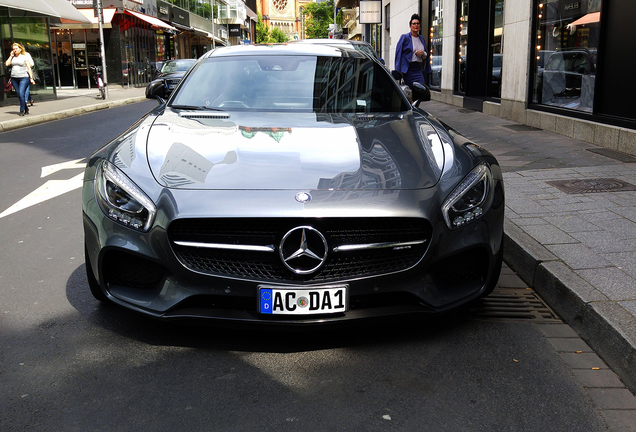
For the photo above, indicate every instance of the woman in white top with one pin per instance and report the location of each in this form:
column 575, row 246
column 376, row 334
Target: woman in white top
column 21, row 74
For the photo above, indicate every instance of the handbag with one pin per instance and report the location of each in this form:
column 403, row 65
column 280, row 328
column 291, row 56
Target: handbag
column 36, row 77
column 8, row 87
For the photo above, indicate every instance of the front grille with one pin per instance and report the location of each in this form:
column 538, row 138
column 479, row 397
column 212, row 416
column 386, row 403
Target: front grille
column 267, row 266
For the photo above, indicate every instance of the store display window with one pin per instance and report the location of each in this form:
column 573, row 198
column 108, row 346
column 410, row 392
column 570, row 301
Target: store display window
column 436, row 35
column 565, row 53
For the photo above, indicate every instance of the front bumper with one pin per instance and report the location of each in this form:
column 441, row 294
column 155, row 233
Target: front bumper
column 142, row 272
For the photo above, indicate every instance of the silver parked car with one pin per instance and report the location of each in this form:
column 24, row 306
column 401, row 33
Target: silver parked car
column 291, row 184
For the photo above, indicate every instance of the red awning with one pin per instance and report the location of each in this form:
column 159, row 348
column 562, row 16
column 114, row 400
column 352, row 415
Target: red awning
column 590, row 18
column 155, row 22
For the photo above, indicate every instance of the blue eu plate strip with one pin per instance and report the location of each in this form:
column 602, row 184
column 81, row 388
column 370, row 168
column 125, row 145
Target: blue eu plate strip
column 266, row 301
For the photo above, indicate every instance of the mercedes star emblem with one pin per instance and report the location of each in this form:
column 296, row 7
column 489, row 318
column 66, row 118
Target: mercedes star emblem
column 303, row 250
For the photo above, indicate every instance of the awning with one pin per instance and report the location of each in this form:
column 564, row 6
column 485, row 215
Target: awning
column 590, row 18
column 156, row 22
column 203, row 33
column 182, row 27
column 250, row 13
column 90, row 15
column 53, row 8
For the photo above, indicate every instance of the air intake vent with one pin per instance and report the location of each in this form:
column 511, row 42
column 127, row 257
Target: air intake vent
column 203, row 115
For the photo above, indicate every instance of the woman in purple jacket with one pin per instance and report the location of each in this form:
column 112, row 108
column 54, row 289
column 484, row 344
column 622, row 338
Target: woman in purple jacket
column 411, row 53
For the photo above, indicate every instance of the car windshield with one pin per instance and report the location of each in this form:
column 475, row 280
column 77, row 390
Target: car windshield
column 291, row 83
column 176, row 66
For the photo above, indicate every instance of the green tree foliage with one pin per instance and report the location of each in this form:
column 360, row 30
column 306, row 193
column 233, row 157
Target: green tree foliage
column 319, row 16
column 262, row 32
column 277, row 36
column 265, row 35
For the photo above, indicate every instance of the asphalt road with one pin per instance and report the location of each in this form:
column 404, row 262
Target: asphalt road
column 69, row 363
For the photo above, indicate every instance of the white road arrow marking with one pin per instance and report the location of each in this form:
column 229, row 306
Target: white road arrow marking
column 48, row 190
column 48, row 170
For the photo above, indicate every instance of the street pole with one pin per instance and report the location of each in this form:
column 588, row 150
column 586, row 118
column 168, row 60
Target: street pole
column 335, row 27
column 100, row 20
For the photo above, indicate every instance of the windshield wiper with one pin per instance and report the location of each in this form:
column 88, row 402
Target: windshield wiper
column 195, row 108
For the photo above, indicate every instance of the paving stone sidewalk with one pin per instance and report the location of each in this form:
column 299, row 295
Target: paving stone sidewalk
column 570, row 227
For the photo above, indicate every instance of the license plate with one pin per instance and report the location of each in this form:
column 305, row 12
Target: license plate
column 303, row 301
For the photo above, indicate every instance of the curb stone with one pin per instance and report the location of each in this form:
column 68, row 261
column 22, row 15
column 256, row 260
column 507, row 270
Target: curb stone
column 59, row 115
column 579, row 304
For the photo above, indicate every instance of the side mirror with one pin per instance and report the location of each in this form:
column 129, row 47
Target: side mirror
column 421, row 93
column 156, row 89
column 397, row 75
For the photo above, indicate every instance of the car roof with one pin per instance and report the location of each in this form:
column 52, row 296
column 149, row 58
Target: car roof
column 291, row 48
column 337, row 42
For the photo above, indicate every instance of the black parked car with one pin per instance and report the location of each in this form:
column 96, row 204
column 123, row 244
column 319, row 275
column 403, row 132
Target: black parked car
column 170, row 74
column 291, row 185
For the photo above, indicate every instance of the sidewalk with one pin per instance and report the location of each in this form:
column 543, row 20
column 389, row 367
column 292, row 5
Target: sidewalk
column 68, row 104
column 571, row 239
column 577, row 250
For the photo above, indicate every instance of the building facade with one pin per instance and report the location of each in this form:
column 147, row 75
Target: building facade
column 560, row 65
column 284, row 15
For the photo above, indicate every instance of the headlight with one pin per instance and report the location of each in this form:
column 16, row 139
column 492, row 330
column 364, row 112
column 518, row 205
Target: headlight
column 466, row 202
column 121, row 199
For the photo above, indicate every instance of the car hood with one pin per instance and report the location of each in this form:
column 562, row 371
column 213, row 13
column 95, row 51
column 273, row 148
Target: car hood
column 274, row 151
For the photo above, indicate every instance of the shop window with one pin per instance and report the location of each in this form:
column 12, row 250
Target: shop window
column 565, row 52
column 462, row 50
column 496, row 50
column 436, row 15
column 33, row 34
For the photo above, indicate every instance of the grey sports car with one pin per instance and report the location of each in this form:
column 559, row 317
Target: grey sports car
column 291, row 184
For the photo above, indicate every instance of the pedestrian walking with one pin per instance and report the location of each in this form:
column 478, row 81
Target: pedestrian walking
column 21, row 74
column 411, row 56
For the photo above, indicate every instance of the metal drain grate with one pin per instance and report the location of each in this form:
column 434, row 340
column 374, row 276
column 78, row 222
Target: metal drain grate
column 511, row 304
column 581, row 186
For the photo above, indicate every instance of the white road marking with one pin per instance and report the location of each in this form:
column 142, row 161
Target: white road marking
column 48, row 190
column 48, row 170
